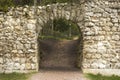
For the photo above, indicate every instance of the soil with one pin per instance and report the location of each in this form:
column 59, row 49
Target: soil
column 58, row 53
column 58, row 75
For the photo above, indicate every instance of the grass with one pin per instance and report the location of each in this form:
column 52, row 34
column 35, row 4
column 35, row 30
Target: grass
column 14, row 76
column 56, row 38
column 23, row 76
column 101, row 77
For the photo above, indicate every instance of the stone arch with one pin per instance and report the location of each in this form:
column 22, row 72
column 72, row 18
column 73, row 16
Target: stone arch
column 73, row 13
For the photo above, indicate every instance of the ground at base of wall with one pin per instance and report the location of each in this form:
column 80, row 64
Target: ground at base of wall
column 15, row 76
column 107, row 72
column 101, row 77
column 58, row 75
column 71, row 75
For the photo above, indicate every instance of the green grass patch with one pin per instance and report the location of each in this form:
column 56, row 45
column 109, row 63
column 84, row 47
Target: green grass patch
column 101, row 77
column 55, row 38
column 15, row 76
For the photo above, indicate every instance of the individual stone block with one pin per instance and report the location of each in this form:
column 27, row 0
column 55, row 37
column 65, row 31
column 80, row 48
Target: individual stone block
column 22, row 66
column 28, row 66
column 1, row 60
column 116, row 37
column 16, row 66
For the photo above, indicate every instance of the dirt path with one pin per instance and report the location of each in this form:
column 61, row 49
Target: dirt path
column 58, row 75
column 59, row 54
column 58, row 61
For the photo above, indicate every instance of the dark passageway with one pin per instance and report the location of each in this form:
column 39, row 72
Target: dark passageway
column 58, row 54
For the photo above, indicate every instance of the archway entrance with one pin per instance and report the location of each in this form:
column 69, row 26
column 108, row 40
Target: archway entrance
column 59, row 43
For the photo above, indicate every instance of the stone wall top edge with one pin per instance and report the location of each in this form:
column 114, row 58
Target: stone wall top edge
column 40, row 6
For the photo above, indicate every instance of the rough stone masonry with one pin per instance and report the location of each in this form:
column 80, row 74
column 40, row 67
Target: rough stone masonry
column 98, row 20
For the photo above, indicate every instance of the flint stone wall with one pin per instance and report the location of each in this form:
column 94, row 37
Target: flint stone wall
column 98, row 20
column 19, row 30
column 102, row 35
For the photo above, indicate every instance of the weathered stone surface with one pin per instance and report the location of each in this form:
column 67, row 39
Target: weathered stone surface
column 22, row 67
column 99, row 23
column 1, row 60
column 106, row 36
column 28, row 66
column 17, row 66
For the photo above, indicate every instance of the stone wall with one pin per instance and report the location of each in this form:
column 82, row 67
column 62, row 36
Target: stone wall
column 19, row 30
column 18, row 40
column 102, row 35
column 98, row 21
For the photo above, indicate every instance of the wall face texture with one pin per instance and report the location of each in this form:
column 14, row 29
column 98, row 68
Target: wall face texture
column 102, row 36
column 18, row 41
column 19, row 30
column 99, row 22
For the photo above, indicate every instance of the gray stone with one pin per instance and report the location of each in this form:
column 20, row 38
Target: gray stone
column 17, row 66
column 98, row 65
column 31, row 50
column 33, row 66
column 20, row 45
column 22, row 67
column 90, row 24
column 114, row 60
column 20, row 51
column 30, row 26
column 14, row 51
column 27, row 46
column 89, row 14
column 28, row 66
column 1, row 61
column 116, row 37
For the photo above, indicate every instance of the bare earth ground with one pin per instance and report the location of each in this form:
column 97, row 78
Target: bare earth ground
column 58, row 75
column 55, row 53
column 58, row 61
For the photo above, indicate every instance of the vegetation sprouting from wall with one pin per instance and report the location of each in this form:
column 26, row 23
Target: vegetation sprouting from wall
column 6, row 4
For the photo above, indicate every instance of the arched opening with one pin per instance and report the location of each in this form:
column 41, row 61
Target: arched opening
column 60, row 45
